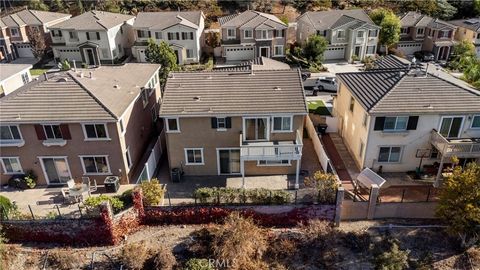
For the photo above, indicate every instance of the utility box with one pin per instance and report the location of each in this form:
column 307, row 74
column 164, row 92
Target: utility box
column 112, row 184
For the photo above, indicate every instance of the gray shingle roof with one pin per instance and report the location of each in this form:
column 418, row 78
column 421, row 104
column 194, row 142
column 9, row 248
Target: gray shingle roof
column 385, row 92
column 233, row 93
column 416, row 19
column 472, row 24
column 93, row 20
column 8, row 70
column 258, row 63
column 252, row 19
column 32, row 17
column 162, row 20
column 323, row 20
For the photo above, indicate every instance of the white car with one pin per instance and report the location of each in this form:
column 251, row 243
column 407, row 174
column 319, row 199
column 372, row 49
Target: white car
column 326, row 84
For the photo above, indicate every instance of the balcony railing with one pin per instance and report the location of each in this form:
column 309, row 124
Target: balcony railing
column 271, row 150
column 462, row 147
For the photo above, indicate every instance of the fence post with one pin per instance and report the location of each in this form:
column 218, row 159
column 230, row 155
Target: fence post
column 403, row 195
column 296, row 196
column 338, row 205
column 374, row 190
column 169, row 200
column 31, row 212
column 58, row 210
column 428, row 194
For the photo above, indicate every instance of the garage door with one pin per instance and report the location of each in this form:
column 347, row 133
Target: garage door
column 68, row 54
column 334, row 53
column 409, row 48
column 241, row 53
column 24, row 50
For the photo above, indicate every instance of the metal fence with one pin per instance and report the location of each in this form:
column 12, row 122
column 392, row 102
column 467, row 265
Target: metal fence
column 412, row 193
column 47, row 211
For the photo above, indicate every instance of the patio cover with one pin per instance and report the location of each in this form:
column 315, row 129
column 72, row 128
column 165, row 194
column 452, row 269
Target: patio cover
column 368, row 177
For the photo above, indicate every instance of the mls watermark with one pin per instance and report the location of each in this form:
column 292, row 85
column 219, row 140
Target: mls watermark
column 219, row 263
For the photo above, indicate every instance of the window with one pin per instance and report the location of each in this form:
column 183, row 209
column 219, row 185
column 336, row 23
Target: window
column 9, row 133
column 434, row 153
column 158, row 35
column 52, row 132
column 248, row 33
column 444, row 34
column 420, row 31
column 93, row 35
column 360, row 150
column 153, row 112
column 322, row 33
column 221, row 123
column 231, row 33
column 340, row 34
column 262, row 34
column 25, row 78
column 173, row 125
column 95, row 131
column 14, row 32
column 145, row 96
column 373, row 33
column 184, row 35
column 352, row 104
column 122, row 128
column 398, row 123
column 142, row 34
column 404, row 30
column 170, row 36
column 282, row 123
column 451, row 126
column 278, row 50
column 56, row 33
column 11, row 165
column 105, row 53
column 73, row 35
column 365, row 119
column 279, row 33
column 95, row 164
column 360, row 34
column 284, row 162
column 128, row 158
column 371, row 49
column 194, row 156
column 475, row 122
column 190, row 53
column 389, row 154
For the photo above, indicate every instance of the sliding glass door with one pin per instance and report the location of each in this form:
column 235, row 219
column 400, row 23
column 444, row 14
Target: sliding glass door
column 56, row 170
column 451, row 126
column 256, row 129
column 229, row 161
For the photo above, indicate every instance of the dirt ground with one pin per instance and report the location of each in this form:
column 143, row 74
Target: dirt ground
column 430, row 241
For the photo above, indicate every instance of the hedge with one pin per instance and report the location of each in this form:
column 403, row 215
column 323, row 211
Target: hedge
column 207, row 195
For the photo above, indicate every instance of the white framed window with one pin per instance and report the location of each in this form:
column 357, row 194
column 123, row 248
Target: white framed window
column 190, row 53
column 371, row 49
column 278, row 50
column 397, row 123
column 194, row 156
column 475, row 122
column 282, row 124
column 52, row 132
column 451, row 126
column 360, row 34
column 221, row 123
column 14, row 32
column 10, row 133
column 389, row 154
column 25, row 78
column 56, row 33
column 248, row 33
column 404, row 30
column 95, row 165
column 373, row 33
column 262, row 34
column 158, row 35
column 360, row 150
column 173, row 124
column 128, row 158
column 279, row 33
column 420, row 31
column 122, row 127
column 11, row 165
column 94, row 132
column 340, row 34
column 142, row 33
column 145, row 94
column 73, row 35
column 444, row 34
column 231, row 34
column 284, row 162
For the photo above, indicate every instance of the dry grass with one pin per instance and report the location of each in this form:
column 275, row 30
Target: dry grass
column 164, row 259
column 62, row 260
column 134, row 255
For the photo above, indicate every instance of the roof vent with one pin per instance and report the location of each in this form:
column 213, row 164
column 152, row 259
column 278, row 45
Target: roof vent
column 276, row 88
column 62, row 80
column 429, row 106
column 116, row 86
column 208, row 77
column 197, row 98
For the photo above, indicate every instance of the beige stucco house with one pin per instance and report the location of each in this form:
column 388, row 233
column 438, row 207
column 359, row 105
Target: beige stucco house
column 468, row 29
column 13, row 76
column 390, row 119
column 182, row 30
column 93, row 123
column 234, row 122
column 348, row 32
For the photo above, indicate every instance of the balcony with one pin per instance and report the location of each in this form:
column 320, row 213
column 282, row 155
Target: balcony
column 461, row 147
column 271, row 150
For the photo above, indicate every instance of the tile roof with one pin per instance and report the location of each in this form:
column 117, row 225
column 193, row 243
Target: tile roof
column 472, row 24
column 233, row 93
column 385, row 92
column 65, row 96
column 162, row 20
column 323, row 20
column 258, row 63
column 391, row 62
column 93, row 20
column 417, row 19
column 32, row 17
column 8, row 70
column 252, row 19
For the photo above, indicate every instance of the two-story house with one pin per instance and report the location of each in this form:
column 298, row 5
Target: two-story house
column 390, row 120
column 423, row 33
column 183, row 31
column 234, row 122
column 14, row 41
column 468, row 29
column 93, row 38
column 80, row 123
column 251, row 34
column 348, row 32
column 13, row 76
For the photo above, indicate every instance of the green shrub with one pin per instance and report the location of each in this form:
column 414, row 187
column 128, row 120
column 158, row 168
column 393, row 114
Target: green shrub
column 6, row 206
column 153, row 192
column 326, row 185
column 94, row 202
column 239, row 195
column 198, row 264
column 127, row 197
column 204, row 195
column 388, row 255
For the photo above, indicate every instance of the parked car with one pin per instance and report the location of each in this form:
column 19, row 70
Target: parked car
column 424, row 56
column 305, row 74
column 326, row 84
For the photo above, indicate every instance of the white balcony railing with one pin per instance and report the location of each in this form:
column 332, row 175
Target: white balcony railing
column 271, row 150
column 462, row 147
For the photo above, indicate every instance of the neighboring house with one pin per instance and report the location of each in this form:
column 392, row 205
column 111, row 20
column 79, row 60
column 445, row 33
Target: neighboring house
column 348, row 32
column 389, row 119
column 89, row 122
column 468, row 29
column 423, row 33
column 258, row 63
column 93, row 38
column 14, row 41
column 13, row 76
column 183, row 31
column 252, row 34
column 234, row 122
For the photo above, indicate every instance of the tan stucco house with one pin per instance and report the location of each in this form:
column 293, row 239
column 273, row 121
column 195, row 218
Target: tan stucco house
column 93, row 123
column 13, row 76
column 390, row 119
column 234, row 122
column 468, row 29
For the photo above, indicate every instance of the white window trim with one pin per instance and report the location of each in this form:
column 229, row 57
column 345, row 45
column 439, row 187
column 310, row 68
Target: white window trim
column 471, row 124
column 168, row 128
column 193, row 164
column 193, row 54
column 96, row 139
column 337, row 34
column 452, row 116
column 18, row 32
column 251, row 34
column 261, row 35
column 274, row 50
column 363, row 33
column 40, row 158
column 396, row 120
column 275, row 165
column 45, row 131
column 121, row 124
column 256, row 117
column 83, row 164
column 281, row 31
column 5, row 169
column 282, row 131
column 420, row 35
column 218, row 160
column 234, row 33
column 128, row 159
column 224, row 122
column 13, row 142
column 390, row 162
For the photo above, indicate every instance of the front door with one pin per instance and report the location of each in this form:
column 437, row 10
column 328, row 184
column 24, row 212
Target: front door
column 451, row 126
column 90, row 57
column 358, row 50
column 256, row 129
column 229, row 161
column 56, row 170
column 265, row 51
column 177, row 55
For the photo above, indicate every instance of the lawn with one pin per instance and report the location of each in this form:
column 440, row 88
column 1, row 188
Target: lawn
column 318, row 107
column 37, row 71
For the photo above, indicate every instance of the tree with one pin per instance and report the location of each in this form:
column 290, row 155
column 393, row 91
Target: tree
column 390, row 26
column 58, row 6
column 37, row 5
column 314, row 48
column 463, row 52
column 445, row 10
column 391, row 257
column 77, row 8
column 161, row 54
column 37, row 42
column 110, row 6
column 459, row 202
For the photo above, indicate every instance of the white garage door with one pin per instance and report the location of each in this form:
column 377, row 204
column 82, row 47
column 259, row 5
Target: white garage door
column 334, row 53
column 409, row 48
column 68, row 54
column 24, row 50
column 240, row 53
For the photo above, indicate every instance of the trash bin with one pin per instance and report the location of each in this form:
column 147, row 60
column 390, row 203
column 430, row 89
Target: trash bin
column 112, row 184
column 322, row 128
column 176, row 175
